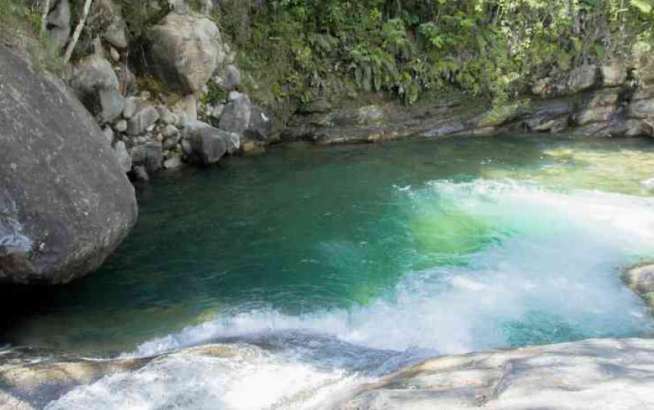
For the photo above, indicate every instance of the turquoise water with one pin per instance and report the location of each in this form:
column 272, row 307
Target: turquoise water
column 429, row 247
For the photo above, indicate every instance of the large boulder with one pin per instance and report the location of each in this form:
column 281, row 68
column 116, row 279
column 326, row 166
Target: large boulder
column 97, row 86
column 185, row 51
column 205, row 144
column 65, row 202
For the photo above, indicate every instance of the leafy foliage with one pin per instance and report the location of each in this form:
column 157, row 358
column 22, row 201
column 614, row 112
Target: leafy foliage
column 489, row 48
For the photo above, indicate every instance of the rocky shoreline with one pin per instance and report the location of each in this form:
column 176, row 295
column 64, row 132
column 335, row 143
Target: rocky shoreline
column 197, row 112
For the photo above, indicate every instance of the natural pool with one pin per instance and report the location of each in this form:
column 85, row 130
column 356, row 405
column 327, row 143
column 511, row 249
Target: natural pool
column 346, row 262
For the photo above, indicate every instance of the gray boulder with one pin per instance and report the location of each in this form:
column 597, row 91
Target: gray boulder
column 641, row 278
column 641, row 109
column 185, row 51
column 232, row 78
column 614, row 74
column 59, row 23
column 205, row 145
column 96, row 85
column 260, row 126
column 237, row 114
column 149, row 155
column 582, row 78
column 142, row 120
column 65, row 203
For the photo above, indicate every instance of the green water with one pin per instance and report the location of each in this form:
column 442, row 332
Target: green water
column 360, row 242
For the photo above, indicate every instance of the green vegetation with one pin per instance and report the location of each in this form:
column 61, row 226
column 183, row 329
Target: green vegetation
column 20, row 25
column 294, row 51
column 492, row 48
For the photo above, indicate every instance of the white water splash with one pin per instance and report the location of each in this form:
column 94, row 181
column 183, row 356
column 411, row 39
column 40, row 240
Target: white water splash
column 249, row 379
column 550, row 270
column 559, row 254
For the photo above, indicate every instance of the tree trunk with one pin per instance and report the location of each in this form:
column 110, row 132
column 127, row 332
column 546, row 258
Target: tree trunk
column 78, row 31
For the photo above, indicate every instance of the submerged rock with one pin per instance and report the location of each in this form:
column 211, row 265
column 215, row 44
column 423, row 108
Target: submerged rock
column 65, row 202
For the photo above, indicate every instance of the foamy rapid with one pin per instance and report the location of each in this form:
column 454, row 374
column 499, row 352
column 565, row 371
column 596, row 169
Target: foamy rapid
column 554, row 254
column 547, row 269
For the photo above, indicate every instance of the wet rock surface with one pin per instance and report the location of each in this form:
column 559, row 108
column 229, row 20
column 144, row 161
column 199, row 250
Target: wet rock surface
column 606, row 373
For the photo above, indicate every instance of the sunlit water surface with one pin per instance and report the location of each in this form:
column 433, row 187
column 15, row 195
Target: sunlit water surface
column 340, row 264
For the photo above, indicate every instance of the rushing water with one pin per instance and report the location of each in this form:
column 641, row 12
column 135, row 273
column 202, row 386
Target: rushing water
column 344, row 263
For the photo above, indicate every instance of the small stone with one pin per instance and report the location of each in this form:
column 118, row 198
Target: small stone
column 166, row 116
column 116, row 33
column 114, row 54
column 614, row 74
column 142, row 121
column 131, row 105
column 232, row 78
column 216, row 111
column 235, row 95
column 150, row 155
column 140, row 174
column 170, row 131
column 173, row 162
column 121, row 126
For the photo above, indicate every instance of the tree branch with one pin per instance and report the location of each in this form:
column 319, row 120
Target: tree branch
column 78, row 31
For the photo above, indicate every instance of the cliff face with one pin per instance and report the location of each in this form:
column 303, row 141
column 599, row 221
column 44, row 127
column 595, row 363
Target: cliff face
column 65, row 203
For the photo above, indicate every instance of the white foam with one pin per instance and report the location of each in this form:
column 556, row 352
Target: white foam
column 554, row 264
column 250, row 379
column 559, row 255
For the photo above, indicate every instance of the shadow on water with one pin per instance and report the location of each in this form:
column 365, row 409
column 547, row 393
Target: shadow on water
column 300, row 229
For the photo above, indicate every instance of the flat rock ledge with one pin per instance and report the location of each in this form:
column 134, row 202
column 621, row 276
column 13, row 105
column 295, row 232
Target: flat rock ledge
column 591, row 374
